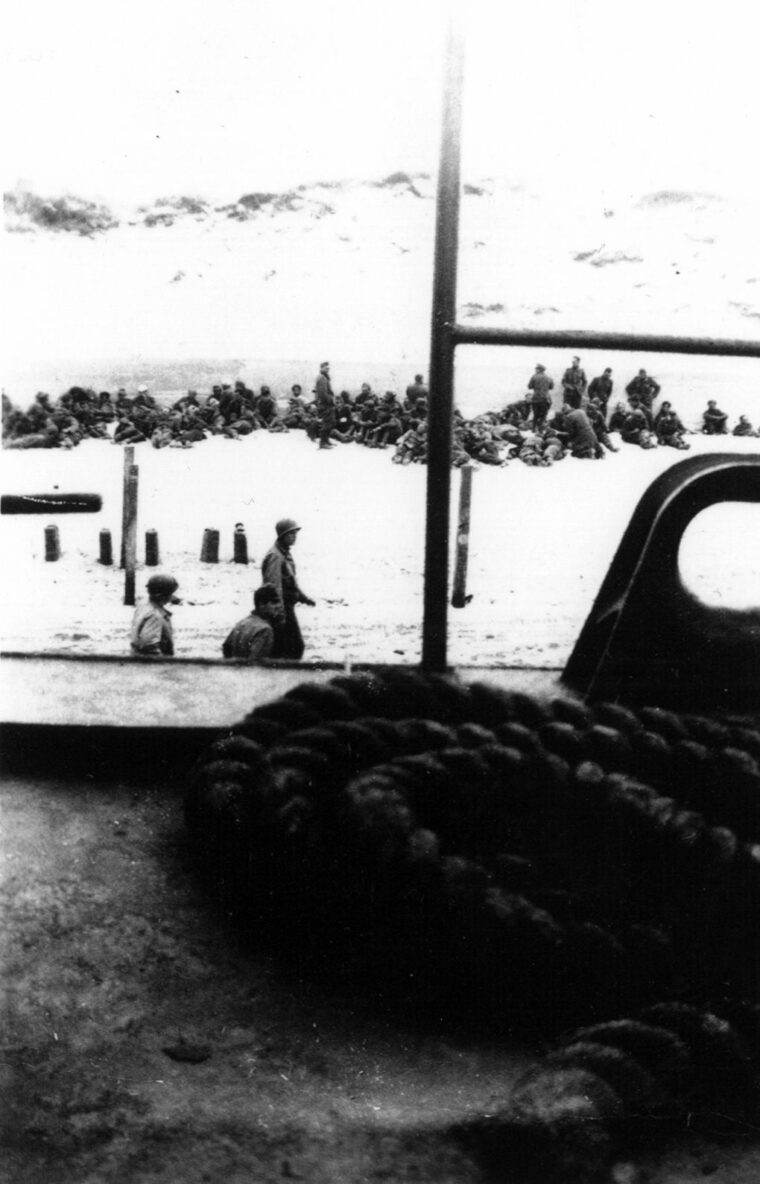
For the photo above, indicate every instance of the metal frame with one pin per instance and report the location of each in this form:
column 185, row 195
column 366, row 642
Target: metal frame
column 446, row 335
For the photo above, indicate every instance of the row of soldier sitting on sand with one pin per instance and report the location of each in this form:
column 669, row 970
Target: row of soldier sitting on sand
column 366, row 418
column 270, row 631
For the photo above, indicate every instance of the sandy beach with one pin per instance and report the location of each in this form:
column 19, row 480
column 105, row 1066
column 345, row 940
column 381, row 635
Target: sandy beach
column 541, row 542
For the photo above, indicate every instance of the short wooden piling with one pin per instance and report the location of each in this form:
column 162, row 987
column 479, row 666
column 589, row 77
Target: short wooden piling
column 240, row 544
column 106, row 549
column 130, row 541
column 459, row 598
column 52, row 544
column 210, row 546
column 151, row 548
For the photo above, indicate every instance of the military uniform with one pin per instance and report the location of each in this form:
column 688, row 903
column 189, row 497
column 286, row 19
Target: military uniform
column 601, row 388
column 152, row 630
column 325, row 400
column 541, row 385
column 251, row 639
column 279, row 570
column 574, row 384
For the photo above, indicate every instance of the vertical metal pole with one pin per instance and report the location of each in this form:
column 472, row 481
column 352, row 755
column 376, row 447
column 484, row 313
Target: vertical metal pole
column 434, row 624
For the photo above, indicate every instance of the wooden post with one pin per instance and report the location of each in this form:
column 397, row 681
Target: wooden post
column 130, row 538
column 240, row 544
column 210, row 546
column 52, row 544
column 151, row 548
column 458, row 597
column 129, row 460
column 106, row 548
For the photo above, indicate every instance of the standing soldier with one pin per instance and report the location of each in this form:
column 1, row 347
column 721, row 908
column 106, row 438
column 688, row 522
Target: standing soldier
column 601, row 388
column 325, row 400
column 644, row 388
column 416, row 390
column 279, row 570
column 574, row 384
column 541, row 385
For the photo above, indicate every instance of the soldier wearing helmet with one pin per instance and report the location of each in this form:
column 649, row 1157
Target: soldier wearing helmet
column 152, row 623
column 279, row 570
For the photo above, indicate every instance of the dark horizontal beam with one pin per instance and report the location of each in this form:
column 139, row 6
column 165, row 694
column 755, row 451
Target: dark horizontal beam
column 586, row 339
column 50, row 503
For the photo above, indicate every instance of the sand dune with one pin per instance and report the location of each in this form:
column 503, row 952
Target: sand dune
column 344, row 270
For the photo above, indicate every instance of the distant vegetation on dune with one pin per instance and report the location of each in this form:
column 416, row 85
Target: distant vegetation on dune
column 293, row 272
column 24, row 211
column 674, row 197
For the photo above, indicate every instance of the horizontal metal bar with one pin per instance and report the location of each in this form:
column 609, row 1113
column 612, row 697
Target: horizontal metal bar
column 587, row 339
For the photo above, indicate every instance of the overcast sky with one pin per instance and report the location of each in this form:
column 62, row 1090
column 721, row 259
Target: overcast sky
column 219, row 97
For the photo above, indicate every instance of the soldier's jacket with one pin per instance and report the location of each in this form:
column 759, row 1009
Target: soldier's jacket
column 279, row 569
column 541, row 385
column 325, row 399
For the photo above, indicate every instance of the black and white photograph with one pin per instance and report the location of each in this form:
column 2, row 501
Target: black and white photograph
column 380, row 642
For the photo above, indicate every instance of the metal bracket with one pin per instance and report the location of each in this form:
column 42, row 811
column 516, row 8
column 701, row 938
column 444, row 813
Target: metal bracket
column 647, row 637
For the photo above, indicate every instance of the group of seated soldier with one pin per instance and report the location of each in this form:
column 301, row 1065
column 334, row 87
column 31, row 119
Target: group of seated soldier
column 231, row 411
column 518, row 431
column 715, row 423
column 76, row 415
column 376, row 421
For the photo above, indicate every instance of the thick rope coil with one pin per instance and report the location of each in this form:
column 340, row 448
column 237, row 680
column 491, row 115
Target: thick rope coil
column 614, row 1082
column 475, row 850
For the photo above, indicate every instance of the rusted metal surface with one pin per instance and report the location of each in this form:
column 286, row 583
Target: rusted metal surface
column 647, row 638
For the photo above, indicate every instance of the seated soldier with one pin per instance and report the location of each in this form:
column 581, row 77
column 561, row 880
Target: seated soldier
column 295, row 415
column 669, row 429
column 344, row 419
column 744, row 428
column 364, row 394
column 596, row 418
column 581, row 437
column 105, row 411
column 714, row 421
column 265, row 412
column 367, row 419
column 617, row 419
column 387, row 428
column 636, row 428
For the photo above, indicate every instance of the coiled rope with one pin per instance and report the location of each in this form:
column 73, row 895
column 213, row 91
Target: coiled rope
column 532, row 865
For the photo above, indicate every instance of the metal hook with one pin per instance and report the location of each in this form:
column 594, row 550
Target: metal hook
column 648, row 638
